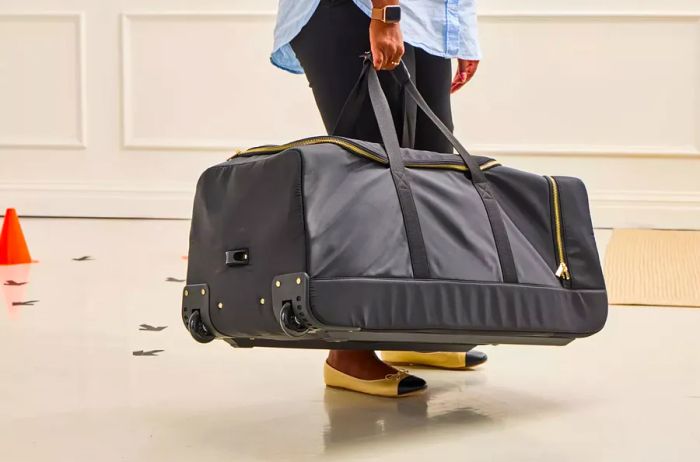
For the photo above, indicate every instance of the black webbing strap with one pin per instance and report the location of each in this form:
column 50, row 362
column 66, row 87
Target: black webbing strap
column 481, row 183
column 414, row 235
column 352, row 106
column 409, row 112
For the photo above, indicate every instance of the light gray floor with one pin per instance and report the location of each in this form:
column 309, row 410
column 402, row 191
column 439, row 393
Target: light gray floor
column 71, row 390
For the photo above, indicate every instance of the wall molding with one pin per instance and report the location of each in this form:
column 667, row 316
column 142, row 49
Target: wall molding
column 129, row 140
column 490, row 150
column 81, row 123
column 99, row 199
column 645, row 209
column 610, row 208
column 544, row 150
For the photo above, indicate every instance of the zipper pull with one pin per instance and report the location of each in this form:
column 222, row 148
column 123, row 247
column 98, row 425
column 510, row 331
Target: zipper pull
column 563, row 272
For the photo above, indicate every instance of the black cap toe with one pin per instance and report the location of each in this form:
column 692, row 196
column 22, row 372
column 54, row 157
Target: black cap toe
column 474, row 358
column 411, row 383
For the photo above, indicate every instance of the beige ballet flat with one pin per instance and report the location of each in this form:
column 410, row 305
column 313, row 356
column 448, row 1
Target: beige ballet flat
column 395, row 385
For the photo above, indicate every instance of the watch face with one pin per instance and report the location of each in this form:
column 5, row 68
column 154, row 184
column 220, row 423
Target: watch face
column 392, row 13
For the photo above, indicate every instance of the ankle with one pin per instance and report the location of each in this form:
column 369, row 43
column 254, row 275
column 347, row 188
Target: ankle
column 359, row 363
column 350, row 356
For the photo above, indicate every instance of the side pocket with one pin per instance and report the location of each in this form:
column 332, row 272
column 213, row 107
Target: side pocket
column 581, row 258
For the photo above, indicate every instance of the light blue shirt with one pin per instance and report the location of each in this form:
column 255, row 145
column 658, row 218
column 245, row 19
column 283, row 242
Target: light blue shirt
column 444, row 28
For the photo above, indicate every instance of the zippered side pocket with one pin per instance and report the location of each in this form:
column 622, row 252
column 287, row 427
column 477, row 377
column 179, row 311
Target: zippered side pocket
column 563, row 271
column 580, row 252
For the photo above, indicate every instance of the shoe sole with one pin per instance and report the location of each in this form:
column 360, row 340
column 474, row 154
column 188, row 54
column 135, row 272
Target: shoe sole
column 405, row 395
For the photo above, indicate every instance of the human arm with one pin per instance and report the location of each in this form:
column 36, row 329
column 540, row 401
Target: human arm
column 385, row 39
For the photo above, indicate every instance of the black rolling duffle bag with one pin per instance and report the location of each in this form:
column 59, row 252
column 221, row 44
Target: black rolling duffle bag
column 330, row 242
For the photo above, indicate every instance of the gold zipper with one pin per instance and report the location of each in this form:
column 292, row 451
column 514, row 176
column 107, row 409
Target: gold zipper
column 315, row 140
column 458, row 167
column 563, row 269
column 357, row 150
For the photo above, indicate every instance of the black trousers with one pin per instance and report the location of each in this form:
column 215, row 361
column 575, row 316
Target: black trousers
column 328, row 48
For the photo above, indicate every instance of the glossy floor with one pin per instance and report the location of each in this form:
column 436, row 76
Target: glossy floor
column 71, row 388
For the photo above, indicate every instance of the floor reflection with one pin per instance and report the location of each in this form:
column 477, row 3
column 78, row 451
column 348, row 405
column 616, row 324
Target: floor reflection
column 465, row 403
column 353, row 417
column 14, row 280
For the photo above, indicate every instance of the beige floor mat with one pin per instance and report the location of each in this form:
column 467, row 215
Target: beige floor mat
column 653, row 267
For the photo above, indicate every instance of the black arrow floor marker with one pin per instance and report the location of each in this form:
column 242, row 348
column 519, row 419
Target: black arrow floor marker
column 146, row 353
column 10, row 282
column 150, row 328
column 169, row 279
column 27, row 303
column 85, row 258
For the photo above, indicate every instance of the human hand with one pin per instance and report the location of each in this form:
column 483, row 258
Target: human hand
column 466, row 68
column 386, row 44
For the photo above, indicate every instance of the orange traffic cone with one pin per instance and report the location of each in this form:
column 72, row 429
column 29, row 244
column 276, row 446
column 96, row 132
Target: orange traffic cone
column 13, row 247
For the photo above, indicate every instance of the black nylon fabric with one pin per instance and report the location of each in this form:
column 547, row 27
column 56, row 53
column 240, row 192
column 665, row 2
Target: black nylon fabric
column 581, row 250
column 255, row 204
column 522, row 195
column 531, row 266
column 351, row 204
column 457, row 305
column 455, row 226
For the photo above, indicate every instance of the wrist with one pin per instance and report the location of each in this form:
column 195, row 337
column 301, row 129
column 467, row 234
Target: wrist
column 383, row 3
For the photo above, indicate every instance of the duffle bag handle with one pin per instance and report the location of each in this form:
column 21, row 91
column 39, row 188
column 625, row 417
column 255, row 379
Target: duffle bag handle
column 414, row 235
column 387, row 130
column 356, row 98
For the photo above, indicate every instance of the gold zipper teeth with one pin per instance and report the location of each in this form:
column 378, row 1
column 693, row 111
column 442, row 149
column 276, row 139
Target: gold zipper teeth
column 459, row 167
column 563, row 269
column 310, row 141
column 357, row 150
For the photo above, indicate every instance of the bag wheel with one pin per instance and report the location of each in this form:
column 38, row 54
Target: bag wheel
column 197, row 328
column 291, row 325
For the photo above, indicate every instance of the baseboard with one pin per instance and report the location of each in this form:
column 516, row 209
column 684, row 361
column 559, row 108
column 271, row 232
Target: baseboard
column 645, row 209
column 610, row 209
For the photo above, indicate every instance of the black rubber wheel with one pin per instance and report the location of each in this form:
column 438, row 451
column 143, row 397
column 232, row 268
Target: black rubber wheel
column 290, row 323
column 197, row 328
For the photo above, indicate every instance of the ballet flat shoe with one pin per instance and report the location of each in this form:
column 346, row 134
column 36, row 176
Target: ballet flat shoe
column 395, row 385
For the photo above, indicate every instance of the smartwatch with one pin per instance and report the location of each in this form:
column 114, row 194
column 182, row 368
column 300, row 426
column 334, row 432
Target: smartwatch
column 390, row 14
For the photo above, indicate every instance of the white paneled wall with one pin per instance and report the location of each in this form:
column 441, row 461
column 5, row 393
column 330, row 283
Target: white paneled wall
column 42, row 67
column 113, row 108
column 186, row 85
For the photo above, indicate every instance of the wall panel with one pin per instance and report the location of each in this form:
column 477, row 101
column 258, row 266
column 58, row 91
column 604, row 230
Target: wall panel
column 41, row 80
column 204, row 81
column 586, row 84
